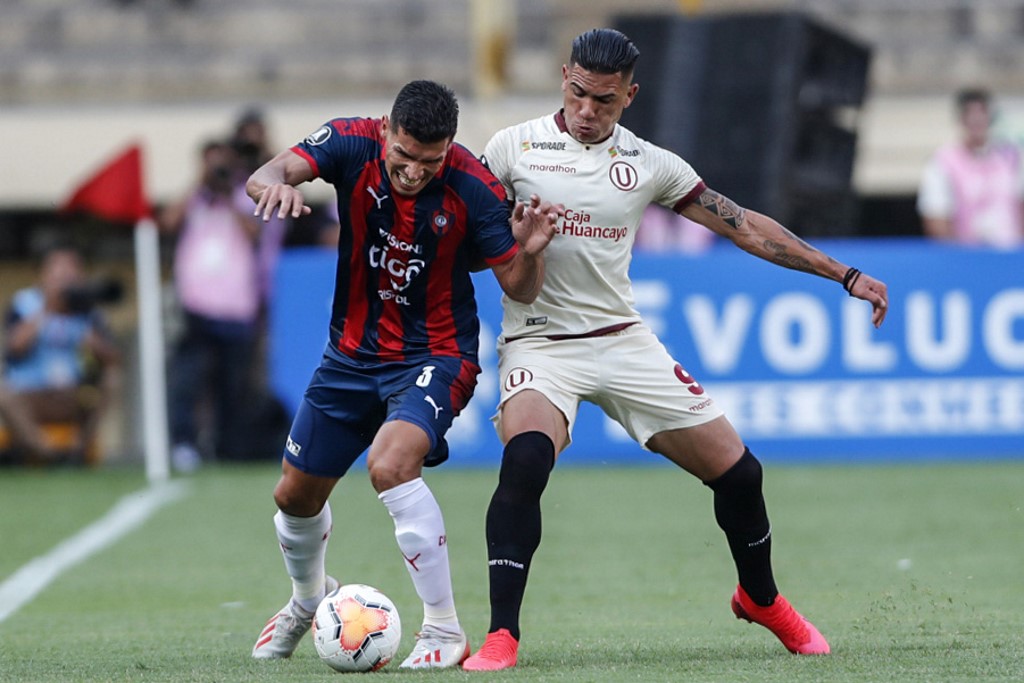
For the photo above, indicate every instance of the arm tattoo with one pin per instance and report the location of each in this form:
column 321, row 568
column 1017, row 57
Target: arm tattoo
column 723, row 207
column 780, row 255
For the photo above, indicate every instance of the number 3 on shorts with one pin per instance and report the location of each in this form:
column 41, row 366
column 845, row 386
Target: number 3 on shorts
column 424, row 379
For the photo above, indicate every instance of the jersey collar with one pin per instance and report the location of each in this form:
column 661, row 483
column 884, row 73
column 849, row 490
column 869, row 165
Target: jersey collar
column 560, row 121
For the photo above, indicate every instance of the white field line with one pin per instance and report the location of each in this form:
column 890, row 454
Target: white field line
column 127, row 515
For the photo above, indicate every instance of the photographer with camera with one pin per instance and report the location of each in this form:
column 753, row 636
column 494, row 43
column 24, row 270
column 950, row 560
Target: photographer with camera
column 60, row 363
column 216, row 279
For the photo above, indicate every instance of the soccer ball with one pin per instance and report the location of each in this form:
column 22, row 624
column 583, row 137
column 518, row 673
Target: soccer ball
column 356, row 628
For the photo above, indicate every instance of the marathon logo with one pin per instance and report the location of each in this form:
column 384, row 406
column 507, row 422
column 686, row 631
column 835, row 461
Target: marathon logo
column 506, row 563
column 578, row 224
column 553, row 168
column 699, row 407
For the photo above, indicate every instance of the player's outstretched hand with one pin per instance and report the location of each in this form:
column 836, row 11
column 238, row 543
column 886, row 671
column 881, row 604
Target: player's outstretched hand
column 876, row 293
column 533, row 224
column 285, row 199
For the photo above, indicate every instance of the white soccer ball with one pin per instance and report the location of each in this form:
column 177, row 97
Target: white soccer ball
column 356, row 628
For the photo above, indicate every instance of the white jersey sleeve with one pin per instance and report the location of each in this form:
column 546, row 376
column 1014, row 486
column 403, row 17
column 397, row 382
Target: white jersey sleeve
column 678, row 183
column 605, row 188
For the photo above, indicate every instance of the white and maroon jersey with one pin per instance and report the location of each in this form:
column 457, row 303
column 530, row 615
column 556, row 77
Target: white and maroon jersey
column 605, row 188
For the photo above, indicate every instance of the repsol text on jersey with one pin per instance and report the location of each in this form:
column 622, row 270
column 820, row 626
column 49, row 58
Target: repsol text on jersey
column 577, row 224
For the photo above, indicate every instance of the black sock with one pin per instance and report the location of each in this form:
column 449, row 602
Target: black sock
column 513, row 524
column 740, row 512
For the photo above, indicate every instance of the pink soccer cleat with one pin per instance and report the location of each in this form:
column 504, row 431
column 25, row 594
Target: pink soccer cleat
column 499, row 651
column 796, row 633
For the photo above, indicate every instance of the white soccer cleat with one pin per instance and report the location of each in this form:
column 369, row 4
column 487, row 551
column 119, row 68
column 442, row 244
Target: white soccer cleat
column 437, row 649
column 284, row 630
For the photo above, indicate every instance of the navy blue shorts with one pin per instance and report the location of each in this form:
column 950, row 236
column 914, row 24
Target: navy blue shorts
column 347, row 401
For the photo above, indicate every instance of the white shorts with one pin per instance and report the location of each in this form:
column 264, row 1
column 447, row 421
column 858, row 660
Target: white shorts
column 629, row 374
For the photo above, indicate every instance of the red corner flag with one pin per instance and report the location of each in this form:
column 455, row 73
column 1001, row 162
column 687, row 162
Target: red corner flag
column 115, row 192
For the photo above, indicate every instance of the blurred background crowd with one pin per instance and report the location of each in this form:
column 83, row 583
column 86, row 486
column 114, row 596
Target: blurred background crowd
column 853, row 119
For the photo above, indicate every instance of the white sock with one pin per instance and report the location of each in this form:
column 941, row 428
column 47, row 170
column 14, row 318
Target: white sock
column 419, row 529
column 304, row 546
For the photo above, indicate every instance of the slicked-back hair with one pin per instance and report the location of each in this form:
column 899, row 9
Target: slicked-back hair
column 427, row 111
column 604, row 51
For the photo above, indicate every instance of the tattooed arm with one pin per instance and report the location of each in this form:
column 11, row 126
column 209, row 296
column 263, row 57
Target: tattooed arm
column 764, row 237
column 760, row 235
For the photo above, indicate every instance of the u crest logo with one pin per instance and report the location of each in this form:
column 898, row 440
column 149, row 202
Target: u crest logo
column 623, row 176
column 516, row 377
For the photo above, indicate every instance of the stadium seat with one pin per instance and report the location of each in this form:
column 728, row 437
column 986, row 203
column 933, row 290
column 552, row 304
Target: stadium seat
column 60, row 436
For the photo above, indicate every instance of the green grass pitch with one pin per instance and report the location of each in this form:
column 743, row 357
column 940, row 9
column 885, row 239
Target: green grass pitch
column 913, row 573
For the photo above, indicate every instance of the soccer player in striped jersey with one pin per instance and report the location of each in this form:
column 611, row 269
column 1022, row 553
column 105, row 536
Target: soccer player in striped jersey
column 417, row 212
column 582, row 338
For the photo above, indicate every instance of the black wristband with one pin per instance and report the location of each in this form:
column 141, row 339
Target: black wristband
column 850, row 279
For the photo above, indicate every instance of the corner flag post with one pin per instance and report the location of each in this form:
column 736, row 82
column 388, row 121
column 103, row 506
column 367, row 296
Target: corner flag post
column 116, row 193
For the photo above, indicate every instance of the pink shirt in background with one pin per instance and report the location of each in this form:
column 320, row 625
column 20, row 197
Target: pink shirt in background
column 216, row 272
column 664, row 231
column 980, row 192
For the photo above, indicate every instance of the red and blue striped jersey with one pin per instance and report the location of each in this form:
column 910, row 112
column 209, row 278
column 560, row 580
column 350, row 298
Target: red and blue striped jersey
column 403, row 289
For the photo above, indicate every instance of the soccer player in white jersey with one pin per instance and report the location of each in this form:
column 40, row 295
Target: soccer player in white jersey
column 582, row 338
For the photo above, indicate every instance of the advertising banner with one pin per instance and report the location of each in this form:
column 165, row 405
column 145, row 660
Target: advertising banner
column 793, row 360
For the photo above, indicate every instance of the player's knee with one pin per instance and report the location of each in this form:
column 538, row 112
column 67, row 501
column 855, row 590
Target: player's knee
column 388, row 472
column 745, row 477
column 293, row 500
column 526, row 464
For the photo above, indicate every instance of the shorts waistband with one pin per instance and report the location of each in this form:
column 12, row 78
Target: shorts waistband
column 602, row 332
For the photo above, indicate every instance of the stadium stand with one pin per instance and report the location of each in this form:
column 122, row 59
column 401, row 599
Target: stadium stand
column 159, row 50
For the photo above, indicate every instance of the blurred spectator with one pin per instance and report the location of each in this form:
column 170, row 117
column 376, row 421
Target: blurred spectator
column 972, row 191
column 251, row 144
column 663, row 231
column 250, row 141
column 216, row 277
column 61, row 363
column 268, row 419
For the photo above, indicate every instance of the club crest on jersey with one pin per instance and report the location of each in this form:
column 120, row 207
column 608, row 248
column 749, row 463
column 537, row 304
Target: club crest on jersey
column 623, row 176
column 517, row 377
column 319, row 136
column 441, row 222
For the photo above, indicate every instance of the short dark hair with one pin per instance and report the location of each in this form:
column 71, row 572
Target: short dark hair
column 427, row 111
column 57, row 245
column 213, row 145
column 604, row 51
column 972, row 95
